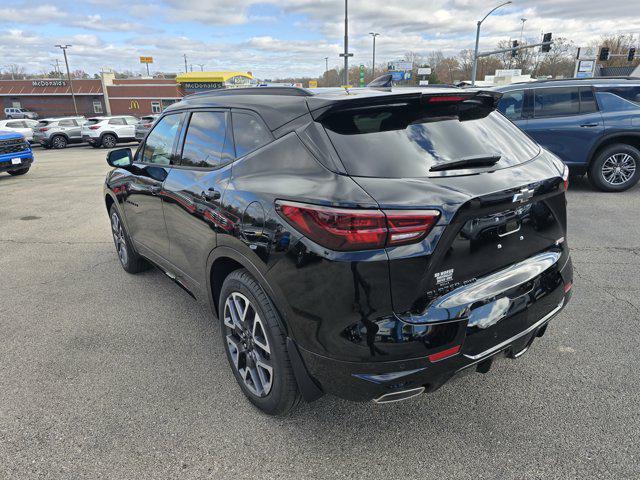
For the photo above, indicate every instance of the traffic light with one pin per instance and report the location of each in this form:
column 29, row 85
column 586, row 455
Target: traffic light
column 546, row 38
column 604, row 54
column 632, row 53
column 514, row 46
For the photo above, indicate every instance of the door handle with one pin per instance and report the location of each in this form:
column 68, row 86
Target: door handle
column 589, row 125
column 211, row 194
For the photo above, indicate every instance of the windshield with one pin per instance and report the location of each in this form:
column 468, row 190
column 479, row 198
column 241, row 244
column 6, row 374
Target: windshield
column 378, row 144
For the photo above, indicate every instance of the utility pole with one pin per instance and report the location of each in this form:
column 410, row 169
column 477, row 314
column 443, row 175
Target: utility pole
column 326, row 71
column 66, row 62
column 522, row 29
column 185, row 63
column 373, row 63
column 346, row 53
column 475, row 55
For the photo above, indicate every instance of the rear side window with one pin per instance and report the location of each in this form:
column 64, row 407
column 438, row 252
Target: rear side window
column 556, row 102
column 631, row 94
column 207, row 143
column 511, row 104
column 158, row 146
column 249, row 133
column 378, row 144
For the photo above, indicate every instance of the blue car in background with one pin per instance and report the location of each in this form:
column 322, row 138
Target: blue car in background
column 16, row 156
column 593, row 125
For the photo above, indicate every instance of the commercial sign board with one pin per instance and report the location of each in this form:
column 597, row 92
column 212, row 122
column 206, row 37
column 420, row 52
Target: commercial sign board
column 424, row 71
column 402, row 66
column 48, row 83
column 146, row 59
column 202, row 85
column 313, row 84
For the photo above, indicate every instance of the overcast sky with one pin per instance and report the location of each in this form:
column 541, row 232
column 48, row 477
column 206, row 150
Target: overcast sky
column 284, row 37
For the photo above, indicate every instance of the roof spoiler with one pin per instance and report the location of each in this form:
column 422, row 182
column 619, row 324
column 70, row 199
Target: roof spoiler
column 466, row 105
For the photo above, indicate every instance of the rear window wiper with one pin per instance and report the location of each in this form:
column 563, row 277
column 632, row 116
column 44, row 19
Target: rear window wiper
column 468, row 162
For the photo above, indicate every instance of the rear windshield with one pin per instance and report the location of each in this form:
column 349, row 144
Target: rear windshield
column 380, row 144
column 146, row 119
column 92, row 121
column 43, row 123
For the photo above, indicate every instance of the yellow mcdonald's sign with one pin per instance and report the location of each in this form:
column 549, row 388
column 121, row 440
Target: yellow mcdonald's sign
column 134, row 105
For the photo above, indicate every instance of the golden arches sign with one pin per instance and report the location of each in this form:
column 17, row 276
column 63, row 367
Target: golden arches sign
column 134, row 105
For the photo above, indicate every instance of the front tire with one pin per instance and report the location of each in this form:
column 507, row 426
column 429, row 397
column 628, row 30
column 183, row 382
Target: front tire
column 129, row 258
column 21, row 171
column 616, row 168
column 109, row 141
column 255, row 345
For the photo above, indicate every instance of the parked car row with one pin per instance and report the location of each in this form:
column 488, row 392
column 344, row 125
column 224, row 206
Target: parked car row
column 103, row 131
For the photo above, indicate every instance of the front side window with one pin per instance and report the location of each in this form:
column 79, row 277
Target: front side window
column 117, row 121
column 249, row 133
column 556, row 102
column 159, row 145
column 15, row 124
column 155, row 107
column 511, row 104
column 207, row 143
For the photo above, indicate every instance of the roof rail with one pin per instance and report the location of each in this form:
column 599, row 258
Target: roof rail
column 282, row 91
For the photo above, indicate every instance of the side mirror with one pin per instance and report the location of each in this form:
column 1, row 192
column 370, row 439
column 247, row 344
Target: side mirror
column 121, row 157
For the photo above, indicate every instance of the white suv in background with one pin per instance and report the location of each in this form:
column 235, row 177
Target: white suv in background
column 21, row 126
column 108, row 131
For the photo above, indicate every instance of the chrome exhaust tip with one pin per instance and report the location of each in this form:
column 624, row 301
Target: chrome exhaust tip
column 399, row 396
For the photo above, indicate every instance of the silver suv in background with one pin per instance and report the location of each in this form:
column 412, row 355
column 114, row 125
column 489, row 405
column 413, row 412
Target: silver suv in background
column 109, row 131
column 144, row 125
column 58, row 132
column 17, row 112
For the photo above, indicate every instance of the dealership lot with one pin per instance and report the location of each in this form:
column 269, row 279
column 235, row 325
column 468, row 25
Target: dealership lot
column 109, row 375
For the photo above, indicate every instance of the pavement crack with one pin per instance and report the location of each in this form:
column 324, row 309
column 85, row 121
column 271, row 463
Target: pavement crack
column 44, row 242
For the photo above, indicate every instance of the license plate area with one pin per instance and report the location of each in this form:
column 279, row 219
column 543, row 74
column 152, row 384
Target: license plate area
column 16, row 161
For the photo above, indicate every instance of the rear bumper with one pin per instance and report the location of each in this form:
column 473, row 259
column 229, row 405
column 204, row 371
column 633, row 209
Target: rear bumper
column 500, row 314
column 90, row 138
column 7, row 162
column 369, row 381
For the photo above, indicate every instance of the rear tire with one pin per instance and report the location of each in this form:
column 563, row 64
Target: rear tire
column 22, row 171
column 616, row 168
column 58, row 142
column 109, row 141
column 129, row 258
column 256, row 346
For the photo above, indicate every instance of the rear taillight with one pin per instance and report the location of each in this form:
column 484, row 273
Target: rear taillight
column 44, row 129
column 565, row 177
column 146, row 125
column 447, row 99
column 346, row 229
column 94, row 127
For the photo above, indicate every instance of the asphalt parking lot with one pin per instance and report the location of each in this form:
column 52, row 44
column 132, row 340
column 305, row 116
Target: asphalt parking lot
column 109, row 375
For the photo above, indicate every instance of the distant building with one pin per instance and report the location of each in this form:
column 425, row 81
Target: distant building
column 110, row 96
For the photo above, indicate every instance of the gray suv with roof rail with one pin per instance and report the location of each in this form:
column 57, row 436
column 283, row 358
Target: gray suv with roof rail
column 58, row 132
column 593, row 125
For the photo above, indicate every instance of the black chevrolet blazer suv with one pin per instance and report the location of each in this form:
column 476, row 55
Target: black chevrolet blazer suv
column 365, row 243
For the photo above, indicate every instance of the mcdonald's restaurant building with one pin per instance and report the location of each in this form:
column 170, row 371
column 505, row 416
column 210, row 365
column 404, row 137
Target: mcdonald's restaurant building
column 108, row 95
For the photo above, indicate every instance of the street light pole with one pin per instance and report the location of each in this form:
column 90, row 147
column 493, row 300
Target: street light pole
column 373, row 63
column 346, row 43
column 522, row 29
column 66, row 62
column 475, row 55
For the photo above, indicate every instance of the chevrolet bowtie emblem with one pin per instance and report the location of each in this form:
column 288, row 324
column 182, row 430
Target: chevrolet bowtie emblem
column 523, row 195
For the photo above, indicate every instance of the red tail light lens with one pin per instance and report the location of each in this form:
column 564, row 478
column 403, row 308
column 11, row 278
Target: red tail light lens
column 344, row 229
column 146, row 125
column 449, row 352
column 409, row 226
column 94, row 127
column 44, row 129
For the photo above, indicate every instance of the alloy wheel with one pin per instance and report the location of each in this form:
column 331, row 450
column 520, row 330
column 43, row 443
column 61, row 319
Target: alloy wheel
column 618, row 168
column 118, row 238
column 248, row 344
column 59, row 142
column 109, row 141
